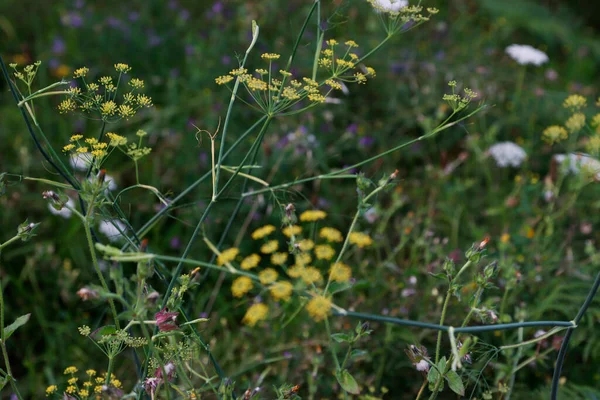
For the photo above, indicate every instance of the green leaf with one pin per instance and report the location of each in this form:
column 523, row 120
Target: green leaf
column 358, row 353
column 341, row 337
column 433, row 375
column 19, row 322
column 455, row 383
column 440, row 275
column 347, row 382
column 104, row 331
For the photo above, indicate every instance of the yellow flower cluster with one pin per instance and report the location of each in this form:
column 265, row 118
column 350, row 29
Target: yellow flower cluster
column 292, row 230
column 279, row 258
column 319, row 307
column 360, row 239
column 250, row 262
column 274, row 95
column 84, row 392
column 98, row 149
column 281, row 290
column 324, row 252
column 301, row 272
column 554, row 134
column 268, row 276
column 257, row 312
column 241, row 286
column 227, row 256
column 87, row 97
column 340, row 272
column 574, row 124
column 331, row 234
column 270, row 247
column 312, row 215
column 263, row 232
column 575, row 102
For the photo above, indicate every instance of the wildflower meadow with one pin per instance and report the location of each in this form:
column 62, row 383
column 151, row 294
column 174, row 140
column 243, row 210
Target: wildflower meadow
column 302, row 199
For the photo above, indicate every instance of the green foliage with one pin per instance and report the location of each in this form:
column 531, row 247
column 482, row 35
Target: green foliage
column 156, row 278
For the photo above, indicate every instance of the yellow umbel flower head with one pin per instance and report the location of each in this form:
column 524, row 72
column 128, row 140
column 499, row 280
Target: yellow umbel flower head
column 312, row 215
column 257, row 312
column 263, row 232
column 340, row 272
column 241, row 286
column 281, row 290
column 227, row 255
column 360, row 239
column 319, row 307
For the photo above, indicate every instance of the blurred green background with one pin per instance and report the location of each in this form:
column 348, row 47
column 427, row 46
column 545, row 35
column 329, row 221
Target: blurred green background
column 179, row 47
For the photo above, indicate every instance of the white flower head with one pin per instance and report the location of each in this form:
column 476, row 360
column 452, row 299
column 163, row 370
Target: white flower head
column 64, row 212
column 579, row 161
column 525, row 54
column 80, row 161
column 389, row 6
column 422, row 366
column 507, row 154
column 112, row 229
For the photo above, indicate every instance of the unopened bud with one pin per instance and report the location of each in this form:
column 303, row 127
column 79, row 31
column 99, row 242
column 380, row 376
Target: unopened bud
column 49, row 194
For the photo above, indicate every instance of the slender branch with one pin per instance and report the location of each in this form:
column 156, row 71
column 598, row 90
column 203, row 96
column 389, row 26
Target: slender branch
column 443, row 328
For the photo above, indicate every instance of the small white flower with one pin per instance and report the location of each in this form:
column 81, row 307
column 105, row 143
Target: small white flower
column 390, row 6
column 507, row 154
column 577, row 162
column 80, row 161
column 412, row 280
column 112, row 229
column 64, row 212
column 525, row 54
column 422, row 366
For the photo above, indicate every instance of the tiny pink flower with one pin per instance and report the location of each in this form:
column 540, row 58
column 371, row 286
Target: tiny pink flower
column 166, row 321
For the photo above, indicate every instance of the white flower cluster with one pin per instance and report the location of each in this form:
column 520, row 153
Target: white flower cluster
column 507, row 154
column 391, row 6
column 577, row 162
column 112, row 229
column 63, row 212
column 525, row 54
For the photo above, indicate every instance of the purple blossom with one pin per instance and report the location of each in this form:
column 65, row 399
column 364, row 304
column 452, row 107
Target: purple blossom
column 166, row 321
column 153, row 39
column 133, row 16
column 53, row 63
column 184, row 15
column 190, row 50
column 175, row 242
column 218, row 7
column 72, row 19
column 366, row 141
column 352, row 128
column 58, row 46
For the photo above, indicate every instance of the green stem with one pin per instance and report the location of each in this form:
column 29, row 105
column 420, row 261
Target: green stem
column 515, row 363
column 90, row 242
column 9, row 241
column 335, row 358
column 109, row 369
column 350, row 230
column 444, row 328
column 229, row 110
column 3, row 345
column 442, row 318
column 332, row 175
